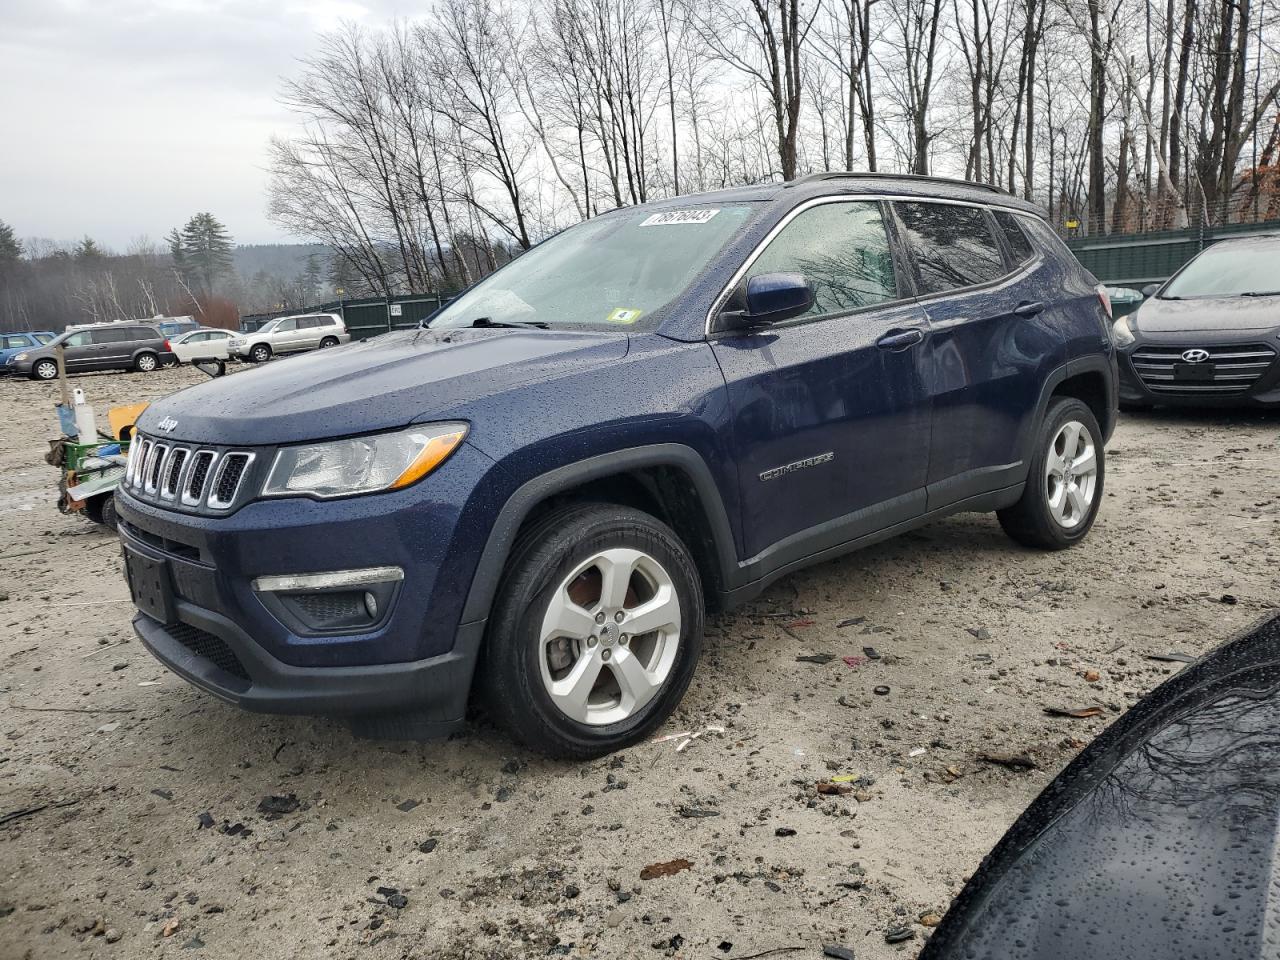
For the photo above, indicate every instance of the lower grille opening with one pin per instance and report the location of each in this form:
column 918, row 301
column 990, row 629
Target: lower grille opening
column 211, row 648
column 332, row 608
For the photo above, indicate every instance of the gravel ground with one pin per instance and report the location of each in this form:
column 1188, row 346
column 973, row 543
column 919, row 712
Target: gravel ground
column 151, row 830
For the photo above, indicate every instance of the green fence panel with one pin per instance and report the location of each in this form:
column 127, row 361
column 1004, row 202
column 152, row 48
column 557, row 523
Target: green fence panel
column 366, row 317
column 1133, row 260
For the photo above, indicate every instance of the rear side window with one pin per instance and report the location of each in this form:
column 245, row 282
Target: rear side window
column 108, row 336
column 43, row 337
column 1019, row 245
column 952, row 245
column 843, row 251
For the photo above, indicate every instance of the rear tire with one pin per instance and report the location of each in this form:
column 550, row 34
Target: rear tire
column 592, row 688
column 146, row 362
column 1065, row 483
column 44, row 370
column 328, row 342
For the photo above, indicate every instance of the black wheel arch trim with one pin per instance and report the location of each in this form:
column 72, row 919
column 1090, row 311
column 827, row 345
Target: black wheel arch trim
column 484, row 584
column 1100, row 363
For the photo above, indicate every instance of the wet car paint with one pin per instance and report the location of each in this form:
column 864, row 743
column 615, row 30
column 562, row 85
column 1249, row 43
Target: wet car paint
column 1159, row 842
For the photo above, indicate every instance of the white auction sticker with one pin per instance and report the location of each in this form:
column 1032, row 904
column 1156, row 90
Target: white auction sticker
column 678, row 216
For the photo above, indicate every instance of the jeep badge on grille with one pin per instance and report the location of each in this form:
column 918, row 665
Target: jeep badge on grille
column 167, row 425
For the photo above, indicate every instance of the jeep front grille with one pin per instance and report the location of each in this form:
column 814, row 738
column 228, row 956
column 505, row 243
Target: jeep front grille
column 198, row 479
column 1236, row 367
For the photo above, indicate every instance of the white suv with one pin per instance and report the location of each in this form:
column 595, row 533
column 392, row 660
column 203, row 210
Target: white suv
column 306, row 331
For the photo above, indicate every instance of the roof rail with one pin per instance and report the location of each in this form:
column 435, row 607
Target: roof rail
column 913, row 177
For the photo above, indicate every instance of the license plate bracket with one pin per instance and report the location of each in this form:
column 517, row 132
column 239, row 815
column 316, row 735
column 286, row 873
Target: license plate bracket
column 150, row 586
column 1193, row 372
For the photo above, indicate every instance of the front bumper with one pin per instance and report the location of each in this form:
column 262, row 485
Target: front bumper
column 227, row 638
column 209, row 651
column 1246, row 370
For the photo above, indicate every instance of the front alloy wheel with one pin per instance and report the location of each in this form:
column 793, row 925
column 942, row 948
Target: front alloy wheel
column 595, row 632
column 609, row 637
column 44, row 370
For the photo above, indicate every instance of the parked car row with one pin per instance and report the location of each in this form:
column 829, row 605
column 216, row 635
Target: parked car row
column 145, row 346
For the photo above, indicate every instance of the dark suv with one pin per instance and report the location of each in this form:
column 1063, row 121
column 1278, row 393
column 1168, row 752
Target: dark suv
column 97, row 346
column 661, row 409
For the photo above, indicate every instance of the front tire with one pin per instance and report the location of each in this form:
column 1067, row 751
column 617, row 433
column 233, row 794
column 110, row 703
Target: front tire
column 260, row 353
column 44, row 370
column 596, row 631
column 1065, row 484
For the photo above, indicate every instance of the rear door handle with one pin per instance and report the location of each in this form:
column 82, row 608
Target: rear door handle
column 1028, row 308
column 900, row 339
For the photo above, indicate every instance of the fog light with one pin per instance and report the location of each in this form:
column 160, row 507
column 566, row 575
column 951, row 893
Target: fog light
column 371, row 605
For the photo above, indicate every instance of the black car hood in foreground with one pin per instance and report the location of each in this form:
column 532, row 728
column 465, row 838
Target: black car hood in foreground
column 380, row 384
column 1216, row 314
column 1158, row 841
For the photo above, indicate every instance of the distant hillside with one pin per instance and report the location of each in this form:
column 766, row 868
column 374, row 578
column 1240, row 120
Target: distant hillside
column 278, row 259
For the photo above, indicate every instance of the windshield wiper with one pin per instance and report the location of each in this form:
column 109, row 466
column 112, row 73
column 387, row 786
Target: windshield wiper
column 1261, row 293
column 523, row 324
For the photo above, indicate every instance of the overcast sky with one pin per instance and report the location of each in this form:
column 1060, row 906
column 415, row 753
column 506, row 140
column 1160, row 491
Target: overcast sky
column 125, row 117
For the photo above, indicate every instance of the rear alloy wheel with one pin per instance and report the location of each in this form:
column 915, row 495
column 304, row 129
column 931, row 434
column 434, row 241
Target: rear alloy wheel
column 146, row 362
column 1064, row 486
column 260, row 353
column 596, row 632
column 328, row 342
column 44, row 370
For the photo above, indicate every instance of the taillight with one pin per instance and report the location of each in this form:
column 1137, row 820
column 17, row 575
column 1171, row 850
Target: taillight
column 1105, row 300
column 167, row 347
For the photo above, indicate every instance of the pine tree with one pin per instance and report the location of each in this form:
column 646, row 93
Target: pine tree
column 202, row 252
column 86, row 249
column 10, row 247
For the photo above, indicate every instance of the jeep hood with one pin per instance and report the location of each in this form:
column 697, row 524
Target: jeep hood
column 1216, row 314
column 394, row 380
column 1159, row 841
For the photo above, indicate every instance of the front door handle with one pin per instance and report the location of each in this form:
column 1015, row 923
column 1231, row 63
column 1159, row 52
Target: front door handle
column 900, row 339
column 1028, row 308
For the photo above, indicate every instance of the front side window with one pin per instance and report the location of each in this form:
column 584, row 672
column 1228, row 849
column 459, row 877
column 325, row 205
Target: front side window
column 80, row 339
column 843, row 251
column 615, row 272
column 952, row 245
column 284, row 326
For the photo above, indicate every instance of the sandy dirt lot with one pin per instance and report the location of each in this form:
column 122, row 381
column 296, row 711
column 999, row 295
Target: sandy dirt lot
column 150, row 836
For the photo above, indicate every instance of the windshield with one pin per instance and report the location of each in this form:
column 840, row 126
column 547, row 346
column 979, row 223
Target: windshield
column 614, row 272
column 1229, row 270
column 268, row 326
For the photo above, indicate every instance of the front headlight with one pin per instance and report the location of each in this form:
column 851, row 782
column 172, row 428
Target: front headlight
column 381, row 461
column 21, row 356
column 1122, row 333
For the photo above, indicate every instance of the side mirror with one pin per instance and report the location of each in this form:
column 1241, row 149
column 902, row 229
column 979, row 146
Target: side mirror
column 768, row 298
column 1150, row 289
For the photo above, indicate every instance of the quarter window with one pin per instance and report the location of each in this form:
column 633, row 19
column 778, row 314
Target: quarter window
column 1019, row 245
column 843, row 251
column 952, row 244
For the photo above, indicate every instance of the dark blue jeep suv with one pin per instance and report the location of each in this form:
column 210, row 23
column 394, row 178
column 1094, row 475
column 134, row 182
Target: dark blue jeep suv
column 659, row 410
